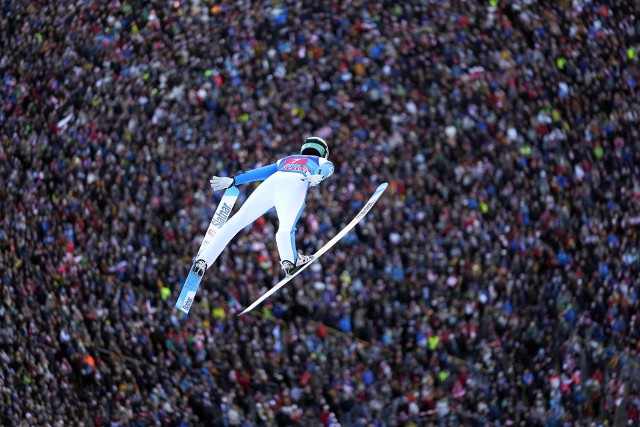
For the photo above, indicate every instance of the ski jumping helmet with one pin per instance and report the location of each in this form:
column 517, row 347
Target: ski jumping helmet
column 315, row 146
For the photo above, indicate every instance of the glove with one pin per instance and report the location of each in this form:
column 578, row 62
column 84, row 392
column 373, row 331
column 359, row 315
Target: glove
column 313, row 180
column 220, row 183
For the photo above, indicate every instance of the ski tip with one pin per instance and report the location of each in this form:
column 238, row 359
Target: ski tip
column 381, row 187
column 243, row 312
column 232, row 191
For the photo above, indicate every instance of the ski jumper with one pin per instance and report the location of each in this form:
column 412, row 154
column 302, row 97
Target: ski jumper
column 282, row 190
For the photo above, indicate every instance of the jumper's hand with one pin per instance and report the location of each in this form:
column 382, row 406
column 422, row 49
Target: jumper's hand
column 313, row 180
column 220, row 183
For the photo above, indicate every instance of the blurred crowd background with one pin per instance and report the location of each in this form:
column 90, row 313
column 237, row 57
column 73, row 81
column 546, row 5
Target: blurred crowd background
column 495, row 282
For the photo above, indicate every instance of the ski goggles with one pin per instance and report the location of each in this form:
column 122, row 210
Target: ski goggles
column 323, row 152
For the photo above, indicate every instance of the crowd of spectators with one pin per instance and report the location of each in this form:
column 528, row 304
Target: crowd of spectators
column 494, row 283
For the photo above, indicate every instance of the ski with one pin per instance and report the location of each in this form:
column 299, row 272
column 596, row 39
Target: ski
column 367, row 207
column 223, row 211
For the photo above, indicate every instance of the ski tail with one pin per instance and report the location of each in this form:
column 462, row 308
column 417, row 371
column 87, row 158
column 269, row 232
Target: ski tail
column 223, row 212
column 367, row 207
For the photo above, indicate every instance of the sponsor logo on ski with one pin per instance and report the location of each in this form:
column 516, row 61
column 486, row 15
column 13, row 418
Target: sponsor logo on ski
column 366, row 209
column 188, row 301
column 221, row 217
